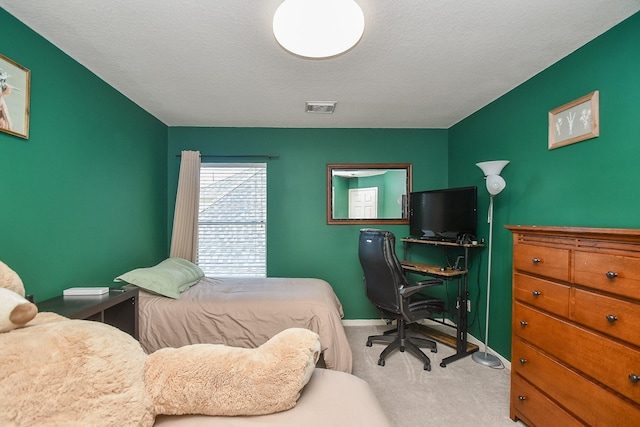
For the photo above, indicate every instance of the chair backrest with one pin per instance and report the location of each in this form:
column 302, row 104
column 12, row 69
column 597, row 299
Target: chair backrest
column 383, row 274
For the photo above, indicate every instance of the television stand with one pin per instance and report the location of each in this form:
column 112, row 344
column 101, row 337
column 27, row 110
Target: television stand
column 459, row 341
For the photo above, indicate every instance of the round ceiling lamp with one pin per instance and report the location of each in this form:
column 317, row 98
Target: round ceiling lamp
column 318, row 28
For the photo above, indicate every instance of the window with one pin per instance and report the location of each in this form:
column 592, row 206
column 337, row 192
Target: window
column 232, row 220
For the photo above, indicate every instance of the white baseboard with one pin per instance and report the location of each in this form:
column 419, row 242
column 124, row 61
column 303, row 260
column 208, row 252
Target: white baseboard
column 363, row 322
column 435, row 325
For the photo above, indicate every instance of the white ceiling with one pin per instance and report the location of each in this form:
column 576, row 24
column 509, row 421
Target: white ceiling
column 419, row 64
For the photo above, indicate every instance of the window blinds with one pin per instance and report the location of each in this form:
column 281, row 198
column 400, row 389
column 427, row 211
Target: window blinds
column 232, row 219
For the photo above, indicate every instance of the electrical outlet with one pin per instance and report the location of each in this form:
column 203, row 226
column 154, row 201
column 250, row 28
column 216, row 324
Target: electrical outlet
column 469, row 306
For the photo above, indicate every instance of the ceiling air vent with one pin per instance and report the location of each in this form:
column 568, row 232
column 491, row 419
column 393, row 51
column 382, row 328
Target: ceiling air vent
column 320, row 107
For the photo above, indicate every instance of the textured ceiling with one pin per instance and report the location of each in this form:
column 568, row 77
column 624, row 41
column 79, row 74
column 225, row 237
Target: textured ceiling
column 419, row 64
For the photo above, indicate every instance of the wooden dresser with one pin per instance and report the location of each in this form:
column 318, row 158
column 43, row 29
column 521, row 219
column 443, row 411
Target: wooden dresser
column 576, row 326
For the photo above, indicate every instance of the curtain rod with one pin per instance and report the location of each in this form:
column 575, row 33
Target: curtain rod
column 211, row 156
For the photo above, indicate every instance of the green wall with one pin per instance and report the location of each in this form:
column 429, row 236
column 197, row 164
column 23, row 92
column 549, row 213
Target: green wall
column 299, row 241
column 84, row 198
column 341, row 196
column 593, row 183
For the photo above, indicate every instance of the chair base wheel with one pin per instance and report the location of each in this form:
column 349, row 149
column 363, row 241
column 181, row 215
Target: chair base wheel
column 397, row 340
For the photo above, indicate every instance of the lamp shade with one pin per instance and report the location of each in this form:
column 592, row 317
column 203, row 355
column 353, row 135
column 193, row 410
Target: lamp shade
column 495, row 184
column 318, row 28
column 493, row 167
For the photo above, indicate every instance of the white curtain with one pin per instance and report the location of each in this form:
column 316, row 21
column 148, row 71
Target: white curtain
column 184, row 238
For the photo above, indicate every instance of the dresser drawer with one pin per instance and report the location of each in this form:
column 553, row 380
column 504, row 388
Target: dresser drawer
column 541, row 260
column 609, row 362
column 548, row 296
column 526, row 401
column 538, row 328
column 591, row 403
column 614, row 317
column 618, row 275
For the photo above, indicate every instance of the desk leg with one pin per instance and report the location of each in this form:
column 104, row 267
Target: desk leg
column 463, row 349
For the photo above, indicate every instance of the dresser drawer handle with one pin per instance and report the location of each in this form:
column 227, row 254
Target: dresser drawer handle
column 522, row 398
column 523, row 323
column 611, row 318
column 523, row 360
column 536, row 293
column 536, row 260
column 634, row 378
column 612, row 274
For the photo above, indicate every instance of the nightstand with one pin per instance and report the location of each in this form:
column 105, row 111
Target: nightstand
column 117, row 308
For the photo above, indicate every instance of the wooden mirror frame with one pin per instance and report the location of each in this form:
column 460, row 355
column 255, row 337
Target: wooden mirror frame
column 351, row 166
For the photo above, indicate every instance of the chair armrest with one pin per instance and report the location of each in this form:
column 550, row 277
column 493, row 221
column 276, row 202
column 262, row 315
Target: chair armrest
column 423, row 284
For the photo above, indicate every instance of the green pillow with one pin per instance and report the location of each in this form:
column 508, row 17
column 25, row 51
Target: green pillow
column 169, row 278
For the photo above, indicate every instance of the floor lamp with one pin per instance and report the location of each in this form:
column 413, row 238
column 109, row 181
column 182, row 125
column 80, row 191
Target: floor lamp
column 495, row 184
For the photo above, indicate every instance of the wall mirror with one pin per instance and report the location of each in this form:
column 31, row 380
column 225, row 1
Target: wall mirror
column 373, row 193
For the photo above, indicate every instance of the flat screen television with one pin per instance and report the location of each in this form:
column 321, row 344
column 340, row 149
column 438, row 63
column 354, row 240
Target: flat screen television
column 443, row 214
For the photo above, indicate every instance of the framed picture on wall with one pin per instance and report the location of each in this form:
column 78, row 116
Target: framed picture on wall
column 575, row 121
column 15, row 86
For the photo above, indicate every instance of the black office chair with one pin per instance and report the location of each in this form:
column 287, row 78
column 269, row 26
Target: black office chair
column 389, row 290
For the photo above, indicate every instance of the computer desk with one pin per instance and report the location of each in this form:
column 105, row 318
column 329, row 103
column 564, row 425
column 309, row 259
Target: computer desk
column 459, row 340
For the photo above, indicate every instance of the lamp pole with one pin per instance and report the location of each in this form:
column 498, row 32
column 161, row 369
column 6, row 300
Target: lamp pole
column 495, row 184
column 486, row 358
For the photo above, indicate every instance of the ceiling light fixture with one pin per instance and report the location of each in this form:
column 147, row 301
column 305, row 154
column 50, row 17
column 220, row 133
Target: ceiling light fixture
column 318, row 28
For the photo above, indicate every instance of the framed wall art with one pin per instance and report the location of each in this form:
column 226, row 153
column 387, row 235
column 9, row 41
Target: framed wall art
column 575, row 121
column 15, row 86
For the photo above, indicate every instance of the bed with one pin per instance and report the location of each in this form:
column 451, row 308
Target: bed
column 245, row 313
column 331, row 398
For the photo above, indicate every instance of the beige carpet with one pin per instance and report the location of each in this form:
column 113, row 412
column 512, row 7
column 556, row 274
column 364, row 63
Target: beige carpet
column 463, row 393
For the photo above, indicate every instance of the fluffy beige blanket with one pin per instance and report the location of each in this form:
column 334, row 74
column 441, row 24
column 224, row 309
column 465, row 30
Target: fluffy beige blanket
column 83, row 373
column 72, row 373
